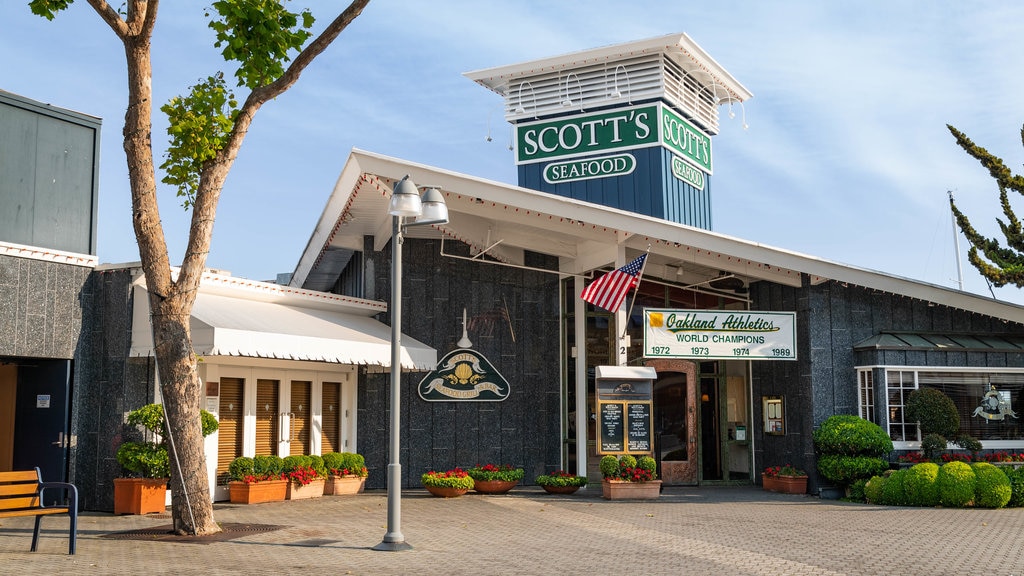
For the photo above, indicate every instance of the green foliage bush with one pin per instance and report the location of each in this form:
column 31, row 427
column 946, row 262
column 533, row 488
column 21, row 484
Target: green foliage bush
column 846, row 469
column 849, row 435
column 894, row 492
column 627, row 461
column 992, row 487
column 609, row 466
column 242, row 467
column 268, row 466
column 955, row 482
column 1016, row 478
column 935, row 412
column 932, row 445
column 144, row 459
column 919, row 484
column 647, row 463
column 348, row 463
column 969, row 443
column 856, row 491
column 873, row 489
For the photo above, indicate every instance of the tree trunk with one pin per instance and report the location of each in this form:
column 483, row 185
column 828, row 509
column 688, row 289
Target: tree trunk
column 182, row 393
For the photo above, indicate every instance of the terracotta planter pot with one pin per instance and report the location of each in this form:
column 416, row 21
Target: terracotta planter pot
column 344, row 485
column 494, row 486
column 785, row 484
column 265, row 491
column 630, row 490
column 140, row 495
column 560, row 489
column 314, row 489
column 446, row 492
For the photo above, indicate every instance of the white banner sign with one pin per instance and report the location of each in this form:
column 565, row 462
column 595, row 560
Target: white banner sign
column 719, row 334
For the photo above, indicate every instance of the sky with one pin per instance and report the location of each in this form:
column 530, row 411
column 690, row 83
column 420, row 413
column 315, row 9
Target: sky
column 845, row 155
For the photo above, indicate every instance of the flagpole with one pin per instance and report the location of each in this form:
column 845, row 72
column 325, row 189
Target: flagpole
column 636, row 290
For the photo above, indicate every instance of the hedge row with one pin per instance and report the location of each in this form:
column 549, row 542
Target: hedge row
column 953, row 485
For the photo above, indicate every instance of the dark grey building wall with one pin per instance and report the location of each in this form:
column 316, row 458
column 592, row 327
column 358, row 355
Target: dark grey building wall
column 831, row 318
column 113, row 384
column 524, row 429
column 40, row 307
column 49, row 175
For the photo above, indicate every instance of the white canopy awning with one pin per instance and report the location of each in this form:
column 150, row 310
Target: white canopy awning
column 229, row 326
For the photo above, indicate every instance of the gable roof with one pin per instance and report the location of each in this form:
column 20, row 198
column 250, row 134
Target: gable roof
column 506, row 220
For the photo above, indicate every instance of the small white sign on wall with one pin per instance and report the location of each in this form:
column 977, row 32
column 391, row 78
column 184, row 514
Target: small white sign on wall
column 42, row 400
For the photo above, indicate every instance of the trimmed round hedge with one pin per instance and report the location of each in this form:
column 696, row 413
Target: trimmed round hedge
column 846, row 469
column 919, row 484
column 955, row 482
column 1016, row 477
column 934, row 410
column 848, row 435
column 873, row 489
column 992, row 487
column 894, row 491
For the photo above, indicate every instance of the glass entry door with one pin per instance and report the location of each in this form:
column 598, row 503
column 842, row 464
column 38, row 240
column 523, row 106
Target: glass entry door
column 675, row 429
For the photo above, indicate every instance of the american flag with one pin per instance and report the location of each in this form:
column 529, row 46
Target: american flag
column 609, row 290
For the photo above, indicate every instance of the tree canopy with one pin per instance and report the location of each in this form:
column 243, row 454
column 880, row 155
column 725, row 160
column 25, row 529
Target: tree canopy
column 1000, row 264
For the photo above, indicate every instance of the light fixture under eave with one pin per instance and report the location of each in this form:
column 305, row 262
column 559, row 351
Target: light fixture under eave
column 405, row 200
column 434, row 208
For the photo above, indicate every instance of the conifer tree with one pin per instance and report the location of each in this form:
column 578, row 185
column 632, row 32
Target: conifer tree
column 1000, row 264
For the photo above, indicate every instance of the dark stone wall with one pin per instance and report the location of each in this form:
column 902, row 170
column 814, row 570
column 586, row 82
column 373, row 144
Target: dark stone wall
column 831, row 318
column 524, row 429
column 112, row 384
column 40, row 307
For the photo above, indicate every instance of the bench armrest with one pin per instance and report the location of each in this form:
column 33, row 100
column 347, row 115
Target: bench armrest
column 71, row 493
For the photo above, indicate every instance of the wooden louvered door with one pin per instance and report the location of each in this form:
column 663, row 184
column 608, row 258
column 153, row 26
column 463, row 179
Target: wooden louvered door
column 229, row 433
column 267, row 419
column 301, row 420
column 330, row 437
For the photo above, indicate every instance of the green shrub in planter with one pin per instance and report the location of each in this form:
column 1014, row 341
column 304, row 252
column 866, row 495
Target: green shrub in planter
column 894, row 492
column 873, row 489
column 144, row 459
column 609, row 466
column 268, row 466
column 968, row 443
column 647, row 463
column 992, row 487
column 627, row 461
column 956, row 484
column 851, row 436
column 1016, row 478
column 241, row 468
column 846, row 469
column 919, row 484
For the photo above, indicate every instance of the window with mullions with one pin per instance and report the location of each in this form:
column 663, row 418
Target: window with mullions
column 899, row 385
column 866, row 385
column 993, row 420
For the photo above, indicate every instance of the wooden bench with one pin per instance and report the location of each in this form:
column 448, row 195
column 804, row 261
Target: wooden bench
column 21, row 494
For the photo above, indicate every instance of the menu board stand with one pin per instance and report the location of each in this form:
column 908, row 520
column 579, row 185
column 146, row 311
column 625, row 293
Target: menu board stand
column 625, row 396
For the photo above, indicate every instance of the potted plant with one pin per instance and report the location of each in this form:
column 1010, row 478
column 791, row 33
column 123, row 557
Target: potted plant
column 258, row 479
column 306, row 475
column 629, row 477
column 147, row 469
column 495, row 479
column 786, row 479
column 346, row 473
column 560, row 482
column 449, row 484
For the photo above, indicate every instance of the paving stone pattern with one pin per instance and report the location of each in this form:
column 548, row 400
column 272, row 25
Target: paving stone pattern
column 686, row 531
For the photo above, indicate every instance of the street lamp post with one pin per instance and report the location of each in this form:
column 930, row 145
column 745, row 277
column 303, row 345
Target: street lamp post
column 430, row 209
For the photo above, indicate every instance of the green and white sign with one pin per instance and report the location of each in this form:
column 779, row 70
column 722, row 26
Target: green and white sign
column 719, row 334
column 687, row 173
column 586, row 134
column 615, row 165
column 685, row 139
column 628, row 128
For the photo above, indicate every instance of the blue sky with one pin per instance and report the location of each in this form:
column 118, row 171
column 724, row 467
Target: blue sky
column 846, row 157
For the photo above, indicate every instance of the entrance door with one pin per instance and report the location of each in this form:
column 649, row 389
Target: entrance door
column 675, row 429
column 41, row 418
column 8, row 394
